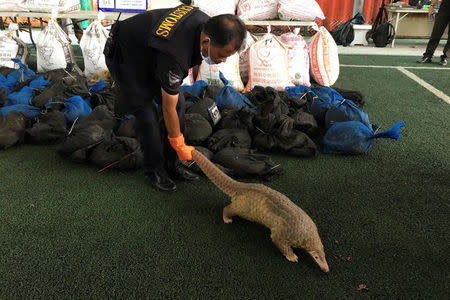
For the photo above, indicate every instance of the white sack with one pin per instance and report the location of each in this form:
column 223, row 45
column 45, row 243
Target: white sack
column 268, row 64
column 298, row 57
column 257, row 10
column 243, row 57
column 324, row 59
column 92, row 44
column 54, row 49
column 12, row 5
column 12, row 47
column 299, row 10
column 189, row 80
column 216, row 7
column 229, row 69
column 62, row 6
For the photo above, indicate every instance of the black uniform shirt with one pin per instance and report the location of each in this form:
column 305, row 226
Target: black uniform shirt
column 445, row 5
column 167, row 59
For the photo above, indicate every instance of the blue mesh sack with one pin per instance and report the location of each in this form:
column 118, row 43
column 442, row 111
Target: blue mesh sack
column 75, row 108
column 7, row 83
column 297, row 91
column 354, row 137
column 229, row 98
column 21, row 97
column 195, row 89
column 23, row 73
column 39, row 83
column 326, row 98
column 97, row 87
column 346, row 110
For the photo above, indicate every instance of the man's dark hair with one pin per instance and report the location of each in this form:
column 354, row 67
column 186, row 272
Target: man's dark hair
column 224, row 29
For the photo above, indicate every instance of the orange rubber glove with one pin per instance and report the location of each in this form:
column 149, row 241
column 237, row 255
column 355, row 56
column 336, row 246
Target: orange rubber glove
column 184, row 151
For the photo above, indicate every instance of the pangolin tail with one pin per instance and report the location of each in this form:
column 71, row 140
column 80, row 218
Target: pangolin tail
column 224, row 182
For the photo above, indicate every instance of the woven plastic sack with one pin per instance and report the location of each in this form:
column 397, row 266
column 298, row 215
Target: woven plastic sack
column 13, row 5
column 92, row 44
column 298, row 58
column 216, row 7
column 62, row 6
column 300, row 10
column 323, row 57
column 54, row 49
column 268, row 64
column 12, row 47
column 243, row 57
column 354, row 137
column 189, row 80
column 230, row 69
column 257, row 10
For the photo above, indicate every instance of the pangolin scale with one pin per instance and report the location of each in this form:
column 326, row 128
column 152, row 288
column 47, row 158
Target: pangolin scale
column 290, row 226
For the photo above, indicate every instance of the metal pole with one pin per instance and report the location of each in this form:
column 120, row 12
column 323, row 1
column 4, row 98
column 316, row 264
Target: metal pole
column 358, row 6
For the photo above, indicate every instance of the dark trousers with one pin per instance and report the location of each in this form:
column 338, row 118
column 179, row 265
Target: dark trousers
column 441, row 22
column 159, row 155
column 132, row 71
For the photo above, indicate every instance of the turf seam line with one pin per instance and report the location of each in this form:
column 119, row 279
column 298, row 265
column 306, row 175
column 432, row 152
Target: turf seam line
column 425, row 84
column 395, row 67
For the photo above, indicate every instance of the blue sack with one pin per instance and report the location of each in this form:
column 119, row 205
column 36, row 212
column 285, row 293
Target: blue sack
column 346, row 110
column 39, row 83
column 326, row 98
column 297, row 91
column 354, row 137
column 21, row 97
column 195, row 89
column 75, row 108
column 28, row 110
column 97, row 87
column 229, row 98
column 23, row 73
column 8, row 83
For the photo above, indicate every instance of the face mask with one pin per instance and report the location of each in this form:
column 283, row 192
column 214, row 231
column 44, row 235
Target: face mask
column 208, row 59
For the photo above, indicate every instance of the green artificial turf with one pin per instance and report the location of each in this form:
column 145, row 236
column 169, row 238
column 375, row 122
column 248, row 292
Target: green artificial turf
column 440, row 79
column 382, row 60
column 68, row 232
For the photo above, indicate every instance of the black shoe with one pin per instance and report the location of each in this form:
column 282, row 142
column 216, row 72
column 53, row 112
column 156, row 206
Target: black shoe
column 181, row 173
column 443, row 61
column 425, row 59
column 160, row 182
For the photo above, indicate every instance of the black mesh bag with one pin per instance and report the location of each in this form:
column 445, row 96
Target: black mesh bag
column 246, row 163
column 197, row 129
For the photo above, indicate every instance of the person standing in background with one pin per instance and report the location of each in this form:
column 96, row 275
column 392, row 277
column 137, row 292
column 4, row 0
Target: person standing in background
column 442, row 20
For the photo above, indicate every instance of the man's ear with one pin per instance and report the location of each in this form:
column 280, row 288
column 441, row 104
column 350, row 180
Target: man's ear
column 204, row 40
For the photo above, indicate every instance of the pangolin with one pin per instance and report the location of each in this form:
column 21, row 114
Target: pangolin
column 290, row 226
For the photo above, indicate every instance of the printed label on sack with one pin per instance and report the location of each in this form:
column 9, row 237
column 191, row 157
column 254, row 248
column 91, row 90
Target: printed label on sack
column 214, row 113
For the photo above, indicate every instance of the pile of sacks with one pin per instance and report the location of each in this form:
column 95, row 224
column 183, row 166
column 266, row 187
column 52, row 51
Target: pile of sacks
column 63, row 6
column 62, row 107
column 260, row 10
column 276, row 62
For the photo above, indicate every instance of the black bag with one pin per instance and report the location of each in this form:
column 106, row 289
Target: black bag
column 383, row 31
column 344, row 34
column 419, row 3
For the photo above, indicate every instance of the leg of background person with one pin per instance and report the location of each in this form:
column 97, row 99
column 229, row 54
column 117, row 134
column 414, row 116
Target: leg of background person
column 440, row 24
column 447, row 45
